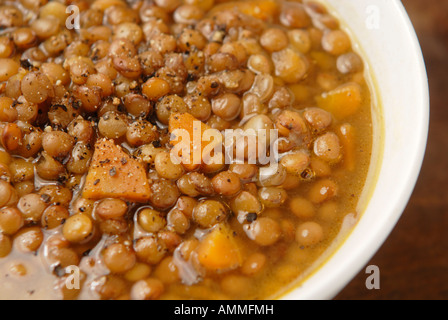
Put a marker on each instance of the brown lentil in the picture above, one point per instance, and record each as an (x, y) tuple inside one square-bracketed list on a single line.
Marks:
[(119, 258), (151, 220), (11, 220), (148, 289), (226, 106), (264, 231), (111, 209), (78, 228), (226, 183), (254, 264), (54, 216), (207, 213), (29, 239), (5, 245), (32, 207), (150, 249), (8, 68), (309, 233)]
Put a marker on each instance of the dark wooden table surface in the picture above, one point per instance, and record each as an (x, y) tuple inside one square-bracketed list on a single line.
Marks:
[(413, 262)]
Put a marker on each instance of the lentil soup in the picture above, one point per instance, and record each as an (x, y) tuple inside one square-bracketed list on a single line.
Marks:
[(89, 192)]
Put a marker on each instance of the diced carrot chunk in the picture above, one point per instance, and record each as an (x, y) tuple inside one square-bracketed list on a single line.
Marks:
[(346, 134), (184, 125), (343, 101), (114, 174), (105, 4), (265, 10), (219, 250)]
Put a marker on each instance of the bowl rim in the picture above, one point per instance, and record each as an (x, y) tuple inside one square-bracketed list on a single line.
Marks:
[(312, 289)]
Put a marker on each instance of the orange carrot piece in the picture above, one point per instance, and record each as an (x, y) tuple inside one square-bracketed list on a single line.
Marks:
[(260, 9), (343, 101), (219, 250), (346, 134), (114, 174), (105, 4), (265, 10), (181, 124)]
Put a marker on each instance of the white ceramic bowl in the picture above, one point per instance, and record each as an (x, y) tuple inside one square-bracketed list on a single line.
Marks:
[(385, 37)]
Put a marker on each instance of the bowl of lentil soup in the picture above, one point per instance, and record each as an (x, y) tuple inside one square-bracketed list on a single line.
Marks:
[(93, 96)]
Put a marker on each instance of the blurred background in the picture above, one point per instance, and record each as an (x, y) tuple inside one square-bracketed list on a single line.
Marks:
[(414, 260)]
